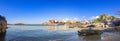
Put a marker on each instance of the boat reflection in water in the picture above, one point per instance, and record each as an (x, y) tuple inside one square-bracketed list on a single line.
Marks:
[(2, 36)]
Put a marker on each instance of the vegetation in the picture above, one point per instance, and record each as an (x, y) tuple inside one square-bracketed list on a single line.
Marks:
[(104, 17), (112, 17), (97, 20)]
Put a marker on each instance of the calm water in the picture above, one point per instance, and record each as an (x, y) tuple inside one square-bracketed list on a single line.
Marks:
[(51, 33)]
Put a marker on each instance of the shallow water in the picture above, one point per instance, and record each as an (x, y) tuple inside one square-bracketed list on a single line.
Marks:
[(51, 33)]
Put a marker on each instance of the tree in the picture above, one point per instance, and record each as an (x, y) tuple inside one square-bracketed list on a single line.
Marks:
[(112, 17), (52, 21), (104, 17), (97, 20)]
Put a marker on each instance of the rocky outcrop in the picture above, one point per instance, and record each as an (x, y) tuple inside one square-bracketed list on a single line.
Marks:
[(91, 26), (112, 29), (82, 26), (116, 22), (3, 24), (85, 32)]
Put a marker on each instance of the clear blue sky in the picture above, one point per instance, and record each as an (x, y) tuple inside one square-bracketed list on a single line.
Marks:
[(37, 11)]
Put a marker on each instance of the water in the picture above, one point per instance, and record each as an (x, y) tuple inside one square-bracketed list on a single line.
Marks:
[(51, 33)]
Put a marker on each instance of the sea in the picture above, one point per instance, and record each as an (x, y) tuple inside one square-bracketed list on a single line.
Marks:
[(38, 32)]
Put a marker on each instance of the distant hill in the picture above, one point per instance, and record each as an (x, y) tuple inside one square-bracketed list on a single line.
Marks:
[(19, 24)]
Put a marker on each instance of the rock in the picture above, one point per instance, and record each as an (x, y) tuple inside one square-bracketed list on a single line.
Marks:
[(82, 26), (2, 36), (91, 26), (112, 29), (3, 24), (72, 26), (112, 25), (89, 32), (116, 22), (117, 28), (99, 25)]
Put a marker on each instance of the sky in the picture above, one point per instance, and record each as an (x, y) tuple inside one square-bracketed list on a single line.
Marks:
[(38, 11)]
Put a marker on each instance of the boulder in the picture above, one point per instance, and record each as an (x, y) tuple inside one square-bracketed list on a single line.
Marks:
[(82, 26), (99, 25), (3, 24), (91, 26), (116, 22), (112, 29), (2, 36), (85, 32)]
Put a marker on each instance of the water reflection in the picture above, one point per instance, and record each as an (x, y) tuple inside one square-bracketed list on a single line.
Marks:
[(55, 28), (110, 36), (46, 33), (2, 36), (92, 38), (23, 38), (106, 36)]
